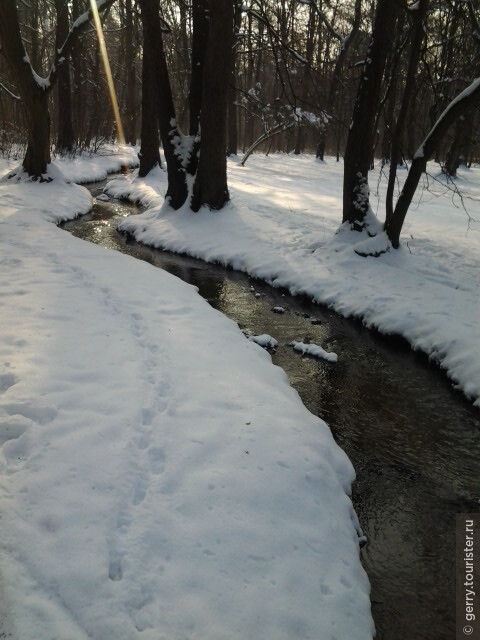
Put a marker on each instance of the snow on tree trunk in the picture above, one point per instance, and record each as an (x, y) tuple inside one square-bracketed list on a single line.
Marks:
[(361, 136), (171, 136)]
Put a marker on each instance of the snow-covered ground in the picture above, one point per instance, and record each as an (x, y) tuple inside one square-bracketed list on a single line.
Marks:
[(281, 226), (159, 478)]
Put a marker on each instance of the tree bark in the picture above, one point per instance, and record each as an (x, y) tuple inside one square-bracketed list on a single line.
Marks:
[(361, 136), (232, 107), (65, 134), (199, 39), (210, 187), (34, 96), (149, 155), (171, 136), (129, 124)]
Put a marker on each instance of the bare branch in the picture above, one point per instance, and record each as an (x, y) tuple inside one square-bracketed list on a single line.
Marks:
[(77, 27)]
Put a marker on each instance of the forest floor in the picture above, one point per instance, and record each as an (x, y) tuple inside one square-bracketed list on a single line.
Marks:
[(159, 477)]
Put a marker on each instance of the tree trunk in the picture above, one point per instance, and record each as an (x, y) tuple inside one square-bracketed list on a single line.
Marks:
[(199, 39), (65, 135), (171, 136), (459, 148), (361, 136), (129, 124), (249, 119), (37, 156), (149, 155), (210, 187), (232, 107), (34, 95), (78, 64)]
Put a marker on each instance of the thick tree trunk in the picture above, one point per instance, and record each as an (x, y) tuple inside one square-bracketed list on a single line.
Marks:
[(232, 107), (149, 139), (199, 39), (79, 106), (361, 136), (210, 187), (458, 106), (65, 135), (171, 136), (200, 23), (34, 95), (37, 156), (130, 119)]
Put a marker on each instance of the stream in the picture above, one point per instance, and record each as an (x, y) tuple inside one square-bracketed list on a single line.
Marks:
[(413, 440)]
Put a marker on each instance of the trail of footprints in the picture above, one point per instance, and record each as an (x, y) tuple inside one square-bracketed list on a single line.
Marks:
[(149, 459)]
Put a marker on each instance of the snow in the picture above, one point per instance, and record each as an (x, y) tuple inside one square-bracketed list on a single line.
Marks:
[(315, 350), (159, 477), (264, 340), (282, 225)]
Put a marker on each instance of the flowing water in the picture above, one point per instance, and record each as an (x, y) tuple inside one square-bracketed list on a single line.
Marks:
[(413, 440)]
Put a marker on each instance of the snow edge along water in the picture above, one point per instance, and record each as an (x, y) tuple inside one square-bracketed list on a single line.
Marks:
[(413, 295)]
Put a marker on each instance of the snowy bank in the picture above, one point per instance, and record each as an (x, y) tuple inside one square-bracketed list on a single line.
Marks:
[(159, 477), (281, 226)]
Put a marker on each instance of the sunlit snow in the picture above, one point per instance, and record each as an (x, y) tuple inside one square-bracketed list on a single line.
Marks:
[(159, 477)]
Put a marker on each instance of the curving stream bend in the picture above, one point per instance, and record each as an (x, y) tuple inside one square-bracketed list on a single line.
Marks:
[(412, 439)]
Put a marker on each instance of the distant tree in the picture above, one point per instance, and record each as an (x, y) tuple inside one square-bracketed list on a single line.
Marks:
[(345, 42)]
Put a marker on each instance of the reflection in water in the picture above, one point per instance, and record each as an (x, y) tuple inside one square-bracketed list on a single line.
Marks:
[(412, 439)]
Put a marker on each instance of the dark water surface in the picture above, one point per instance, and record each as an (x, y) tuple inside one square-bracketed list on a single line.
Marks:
[(413, 440)]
